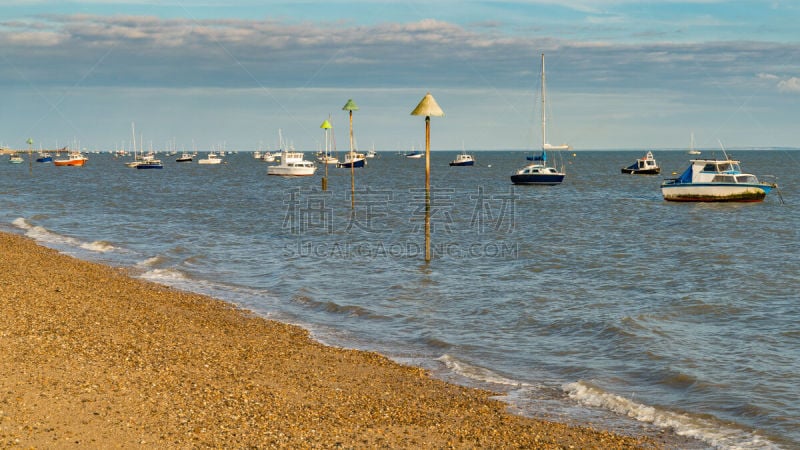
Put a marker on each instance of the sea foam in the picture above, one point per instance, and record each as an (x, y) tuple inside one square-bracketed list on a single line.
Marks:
[(701, 428), (42, 234)]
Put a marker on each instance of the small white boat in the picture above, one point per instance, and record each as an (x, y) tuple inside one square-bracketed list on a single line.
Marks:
[(692, 150), (645, 165), (329, 159), (292, 164), (212, 158), (16, 159), (713, 180)]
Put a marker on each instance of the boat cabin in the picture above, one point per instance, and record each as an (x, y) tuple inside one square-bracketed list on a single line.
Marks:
[(536, 169)]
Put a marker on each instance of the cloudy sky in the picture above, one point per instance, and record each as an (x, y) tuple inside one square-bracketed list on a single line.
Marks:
[(621, 74)]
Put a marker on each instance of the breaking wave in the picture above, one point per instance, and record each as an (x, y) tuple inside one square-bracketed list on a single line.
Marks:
[(702, 428)]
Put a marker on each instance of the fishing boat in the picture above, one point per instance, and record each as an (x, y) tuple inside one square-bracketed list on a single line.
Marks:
[(463, 159), (15, 159), (715, 180), (185, 157), (73, 159), (645, 165), (539, 172), (44, 157), (353, 159), (414, 154), (292, 163), (149, 161), (212, 158)]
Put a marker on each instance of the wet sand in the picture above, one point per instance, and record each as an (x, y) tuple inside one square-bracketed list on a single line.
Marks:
[(92, 358)]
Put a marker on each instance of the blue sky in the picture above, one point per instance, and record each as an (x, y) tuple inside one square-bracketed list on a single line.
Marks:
[(620, 74)]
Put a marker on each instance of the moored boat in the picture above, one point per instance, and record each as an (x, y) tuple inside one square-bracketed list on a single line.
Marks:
[(73, 159), (16, 159), (539, 172), (645, 165), (185, 157), (212, 158), (149, 161), (353, 159), (292, 163), (714, 180), (463, 159)]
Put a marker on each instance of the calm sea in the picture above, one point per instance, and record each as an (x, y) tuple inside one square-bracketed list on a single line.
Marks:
[(590, 302)]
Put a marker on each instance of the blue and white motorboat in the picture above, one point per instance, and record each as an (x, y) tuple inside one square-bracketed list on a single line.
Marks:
[(414, 154), (715, 180), (149, 161), (353, 159), (463, 159), (44, 157), (539, 172)]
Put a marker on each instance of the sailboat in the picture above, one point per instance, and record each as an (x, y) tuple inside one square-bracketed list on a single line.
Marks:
[(539, 172), (692, 150)]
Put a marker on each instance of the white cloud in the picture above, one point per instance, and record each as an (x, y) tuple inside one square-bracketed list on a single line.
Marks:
[(790, 85)]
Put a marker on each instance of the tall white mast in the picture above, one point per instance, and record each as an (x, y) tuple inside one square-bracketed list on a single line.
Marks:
[(544, 113)]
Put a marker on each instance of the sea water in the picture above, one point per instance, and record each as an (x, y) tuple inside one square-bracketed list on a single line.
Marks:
[(592, 302)]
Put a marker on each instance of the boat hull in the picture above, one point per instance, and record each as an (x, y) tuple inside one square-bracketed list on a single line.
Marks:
[(44, 159), (149, 166), (356, 163), (538, 179), (459, 164), (715, 192), (75, 162), (655, 171), (291, 171)]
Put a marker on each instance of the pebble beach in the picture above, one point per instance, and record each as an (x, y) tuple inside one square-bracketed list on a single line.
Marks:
[(93, 358)]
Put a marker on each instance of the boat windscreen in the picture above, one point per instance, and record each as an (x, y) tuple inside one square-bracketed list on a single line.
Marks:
[(686, 176)]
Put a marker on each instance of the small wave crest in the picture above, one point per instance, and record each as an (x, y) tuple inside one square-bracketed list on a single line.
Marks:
[(336, 308), (701, 428), (42, 234), (477, 373), (98, 246), (150, 262), (164, 275)]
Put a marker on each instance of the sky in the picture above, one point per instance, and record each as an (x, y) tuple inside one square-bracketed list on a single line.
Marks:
[(213, 74)]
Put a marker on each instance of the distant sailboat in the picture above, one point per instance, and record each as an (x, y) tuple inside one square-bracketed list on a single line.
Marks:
[(539, 172), (692, 151)]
